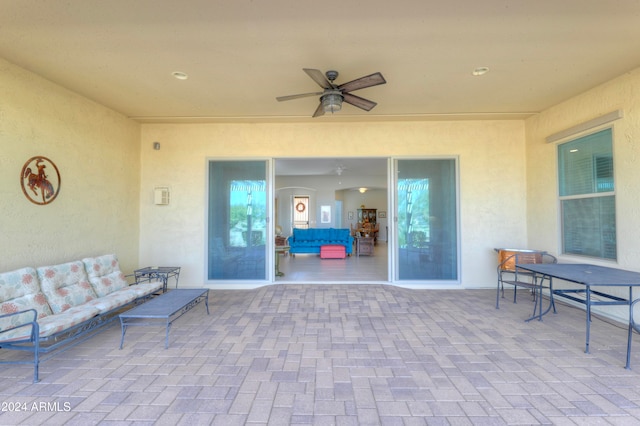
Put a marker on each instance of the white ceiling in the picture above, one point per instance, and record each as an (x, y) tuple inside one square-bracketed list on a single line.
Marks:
[(239, 55)]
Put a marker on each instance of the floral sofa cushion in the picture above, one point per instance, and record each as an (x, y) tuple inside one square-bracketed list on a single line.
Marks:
[(53, 323), (62, 296), (65, 285), (145, 289), (113, 300), (104, 274), (19, 291)]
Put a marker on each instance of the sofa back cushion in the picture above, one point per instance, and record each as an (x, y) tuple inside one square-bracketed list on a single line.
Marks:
[(104, 274), (339, 234), (19, 291), (299, 234), (321, 234), (65, 285)]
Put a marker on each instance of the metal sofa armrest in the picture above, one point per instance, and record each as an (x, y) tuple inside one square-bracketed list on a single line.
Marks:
[(33, 323), (13, 342)]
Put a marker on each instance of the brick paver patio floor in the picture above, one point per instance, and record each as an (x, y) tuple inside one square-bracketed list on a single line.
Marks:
[(339, 355)]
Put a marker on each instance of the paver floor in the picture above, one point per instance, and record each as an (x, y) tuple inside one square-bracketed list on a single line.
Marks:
[(298, 354)]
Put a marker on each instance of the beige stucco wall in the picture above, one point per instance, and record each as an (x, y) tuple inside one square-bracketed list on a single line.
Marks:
[(543, 207), (109, 170), (508, 194), (492, 179), (97, 153)]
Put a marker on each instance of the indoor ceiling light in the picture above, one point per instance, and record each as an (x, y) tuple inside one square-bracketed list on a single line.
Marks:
[(332, 101), (362, 190)]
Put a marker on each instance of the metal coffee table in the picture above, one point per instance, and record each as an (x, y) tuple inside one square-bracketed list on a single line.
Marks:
[(166, 308)]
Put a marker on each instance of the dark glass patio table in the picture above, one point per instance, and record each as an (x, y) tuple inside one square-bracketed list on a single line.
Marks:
[(589, 276)]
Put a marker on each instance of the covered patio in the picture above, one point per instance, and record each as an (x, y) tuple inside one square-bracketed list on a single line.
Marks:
[(343, 355)]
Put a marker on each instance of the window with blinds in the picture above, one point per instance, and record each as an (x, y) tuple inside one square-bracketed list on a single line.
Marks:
[(587, 196)]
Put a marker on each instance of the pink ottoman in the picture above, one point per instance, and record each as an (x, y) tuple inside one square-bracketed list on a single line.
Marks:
[(333, 251)]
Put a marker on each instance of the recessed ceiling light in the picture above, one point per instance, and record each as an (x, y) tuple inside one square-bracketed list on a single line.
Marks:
[(180, 75), (480, 71)]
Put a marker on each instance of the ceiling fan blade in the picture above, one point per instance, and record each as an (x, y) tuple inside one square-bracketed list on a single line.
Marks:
[(302, 95), (318, 77), (359, 102), (319, 111), (362, 82)]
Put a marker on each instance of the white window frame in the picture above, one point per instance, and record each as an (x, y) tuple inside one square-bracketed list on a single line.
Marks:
[(594, 194)]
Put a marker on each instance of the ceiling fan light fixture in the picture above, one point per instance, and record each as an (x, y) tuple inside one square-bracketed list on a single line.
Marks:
[(332, 102), (333, 95)]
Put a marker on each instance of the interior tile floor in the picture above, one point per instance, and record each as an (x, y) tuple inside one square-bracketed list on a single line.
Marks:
[(326, 354), (309, 268)]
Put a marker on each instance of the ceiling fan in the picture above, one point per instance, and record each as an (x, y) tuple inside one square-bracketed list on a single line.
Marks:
[(333, 95)]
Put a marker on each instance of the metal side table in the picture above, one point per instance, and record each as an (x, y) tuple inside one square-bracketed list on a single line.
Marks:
[(162, 273)]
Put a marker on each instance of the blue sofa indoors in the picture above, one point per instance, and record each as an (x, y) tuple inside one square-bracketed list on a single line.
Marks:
[(310, 240)]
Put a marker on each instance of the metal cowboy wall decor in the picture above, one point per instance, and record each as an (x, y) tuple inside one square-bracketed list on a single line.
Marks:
[(40, 180)]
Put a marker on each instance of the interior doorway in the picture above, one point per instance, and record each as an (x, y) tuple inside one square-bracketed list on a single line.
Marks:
[(327, 193), (300, 209)]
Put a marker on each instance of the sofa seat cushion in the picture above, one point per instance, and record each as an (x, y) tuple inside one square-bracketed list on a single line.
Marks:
[(69, 318), (65, 285), (113, 300), (19, 291), (145, 289), (308, 244), (104, 274), (124, 296), (52, 324)]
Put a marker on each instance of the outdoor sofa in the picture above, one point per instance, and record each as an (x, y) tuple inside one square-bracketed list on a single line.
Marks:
[(44, 308)]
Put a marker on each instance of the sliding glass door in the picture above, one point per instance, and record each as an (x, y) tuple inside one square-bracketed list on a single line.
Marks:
[(237, 220), (426, 227)]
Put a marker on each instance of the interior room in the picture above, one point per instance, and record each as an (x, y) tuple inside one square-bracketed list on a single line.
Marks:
[(345, 187), (324, 195)]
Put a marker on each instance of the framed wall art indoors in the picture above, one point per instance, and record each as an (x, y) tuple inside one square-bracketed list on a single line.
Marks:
[(325, 214)]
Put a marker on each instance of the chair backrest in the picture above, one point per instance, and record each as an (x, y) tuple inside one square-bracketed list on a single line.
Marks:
[(510, 258), (507, 259)]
